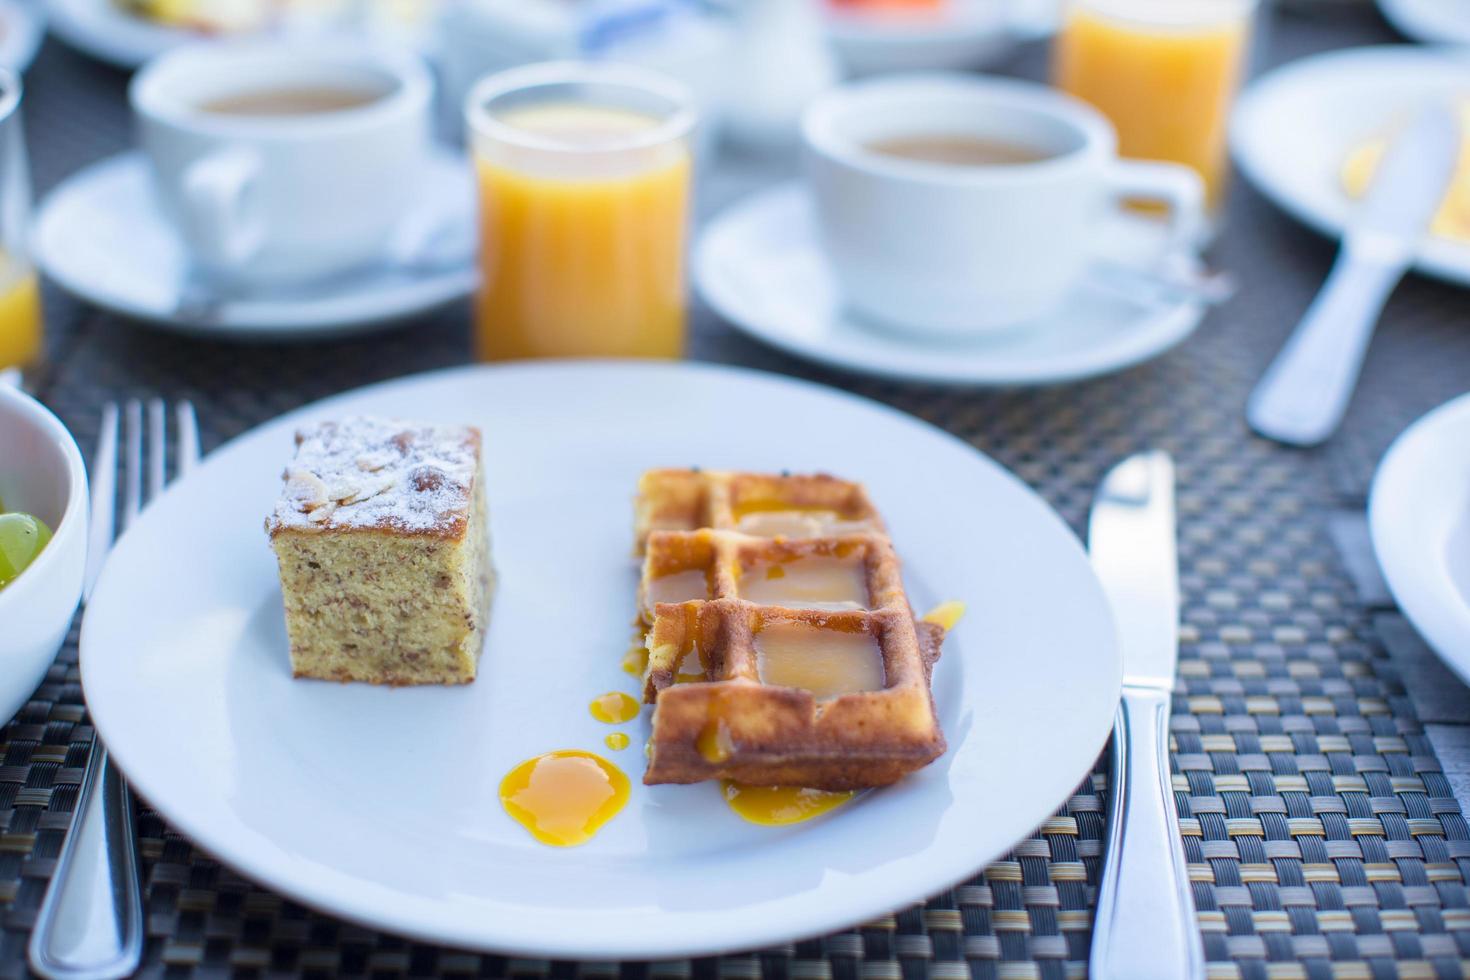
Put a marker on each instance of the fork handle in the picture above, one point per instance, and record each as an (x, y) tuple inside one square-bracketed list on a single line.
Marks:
[(1145, 927), (91, 922)]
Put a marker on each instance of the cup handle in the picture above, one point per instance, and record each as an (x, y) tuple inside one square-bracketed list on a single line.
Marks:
[(1172, 184), (221, 221)]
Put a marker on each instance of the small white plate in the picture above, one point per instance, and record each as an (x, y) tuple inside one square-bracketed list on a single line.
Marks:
[(22, 27), (1429, 21), (760, 266), (960, 34), (101, 236), (100, 29), (1294, 127), (382, 805), (1419, 516)]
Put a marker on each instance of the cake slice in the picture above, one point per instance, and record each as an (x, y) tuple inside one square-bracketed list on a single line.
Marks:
[(382, 537)]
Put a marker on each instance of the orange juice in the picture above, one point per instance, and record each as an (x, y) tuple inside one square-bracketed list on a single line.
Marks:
[(20, 317), (1165, 73), (581, 258)]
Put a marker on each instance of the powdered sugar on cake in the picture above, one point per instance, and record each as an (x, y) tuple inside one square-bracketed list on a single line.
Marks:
[(367, 472)]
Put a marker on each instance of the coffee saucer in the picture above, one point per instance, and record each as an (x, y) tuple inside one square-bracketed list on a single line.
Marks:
[(102, 30), (100, 235), (759, 265)]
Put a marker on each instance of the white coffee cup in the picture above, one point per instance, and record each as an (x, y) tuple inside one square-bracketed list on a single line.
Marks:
[(281, 197), (952, 249)]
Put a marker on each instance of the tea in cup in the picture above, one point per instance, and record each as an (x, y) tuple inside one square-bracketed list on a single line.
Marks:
[(957, 204), (281, 162)]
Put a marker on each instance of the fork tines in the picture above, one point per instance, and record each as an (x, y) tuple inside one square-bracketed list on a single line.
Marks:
[(145, 458)]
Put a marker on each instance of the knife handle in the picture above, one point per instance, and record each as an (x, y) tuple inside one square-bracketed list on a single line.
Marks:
[(1145, 925), (1304, 393)]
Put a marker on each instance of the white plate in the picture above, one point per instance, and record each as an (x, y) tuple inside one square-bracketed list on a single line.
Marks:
[(100, 235), (21, 29), (99, 29), (759, 265), (381, 805), (1294, 126), (1419, 515), (961, 34), (1430, 21)]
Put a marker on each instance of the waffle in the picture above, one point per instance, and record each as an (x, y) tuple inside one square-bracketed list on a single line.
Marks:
[(753, 503), (782, 647)]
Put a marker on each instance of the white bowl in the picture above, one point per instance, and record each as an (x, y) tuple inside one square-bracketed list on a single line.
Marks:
[(41, 473)]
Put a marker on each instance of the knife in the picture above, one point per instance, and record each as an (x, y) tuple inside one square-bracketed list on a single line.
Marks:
[(1304, 393), (1145, 926)]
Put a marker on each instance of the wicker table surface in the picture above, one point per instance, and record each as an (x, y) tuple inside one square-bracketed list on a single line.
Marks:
[(1322, 832)]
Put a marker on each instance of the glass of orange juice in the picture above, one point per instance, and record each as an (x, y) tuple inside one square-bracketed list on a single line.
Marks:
[(1164, 71), (584, 174), (20, 296)]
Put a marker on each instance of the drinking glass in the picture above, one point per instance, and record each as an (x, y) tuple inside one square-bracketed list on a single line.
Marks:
[(20, 296), (1164, 71), (584, 174)]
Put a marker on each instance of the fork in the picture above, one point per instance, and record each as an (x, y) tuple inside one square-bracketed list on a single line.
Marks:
[(90, 926)]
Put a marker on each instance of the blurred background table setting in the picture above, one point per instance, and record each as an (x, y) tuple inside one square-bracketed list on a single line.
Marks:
[(1177, 281)]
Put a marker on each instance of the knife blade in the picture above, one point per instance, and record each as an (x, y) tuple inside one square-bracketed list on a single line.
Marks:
[(1131, 539), (1145, 926), (1408, 184), (1304, 393)]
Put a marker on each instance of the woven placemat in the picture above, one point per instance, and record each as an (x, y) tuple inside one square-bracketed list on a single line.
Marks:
[(1322, 837)]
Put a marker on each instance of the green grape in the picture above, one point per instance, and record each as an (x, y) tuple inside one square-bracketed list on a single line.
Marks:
[(21, 539)]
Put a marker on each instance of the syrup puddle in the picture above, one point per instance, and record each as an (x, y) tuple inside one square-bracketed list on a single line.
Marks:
[(946, 614), (682, 586), (779, 806), (815, 582), (614, 707), (826, 662), (563, 798), (635, 661)]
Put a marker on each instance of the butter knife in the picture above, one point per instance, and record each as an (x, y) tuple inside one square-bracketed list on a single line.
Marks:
[(1302, 396), (1145, 926)]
